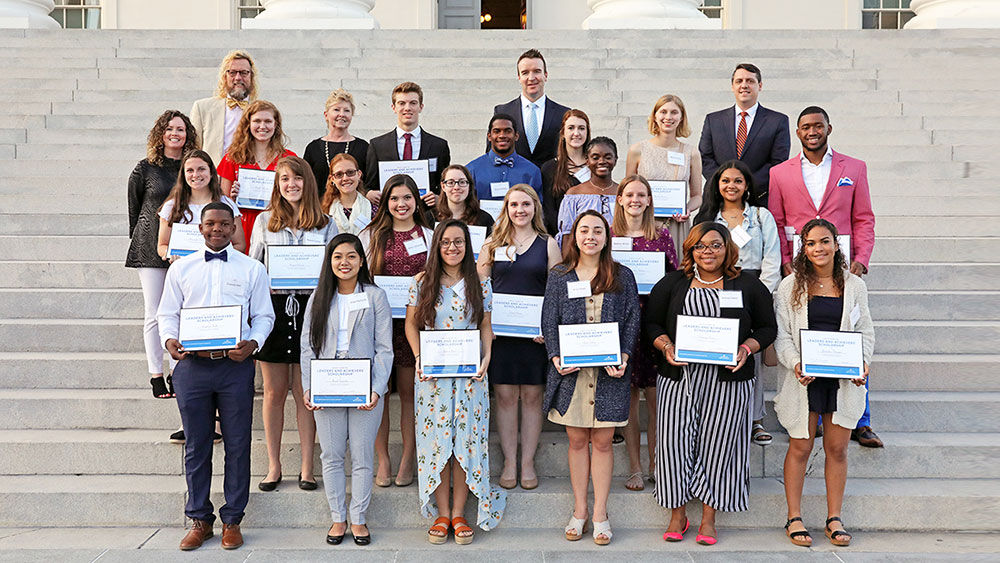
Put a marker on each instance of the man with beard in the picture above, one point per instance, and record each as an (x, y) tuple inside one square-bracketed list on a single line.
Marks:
[(216, 118)]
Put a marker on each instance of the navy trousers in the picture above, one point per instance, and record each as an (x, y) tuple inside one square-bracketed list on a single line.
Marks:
[(203, 386)]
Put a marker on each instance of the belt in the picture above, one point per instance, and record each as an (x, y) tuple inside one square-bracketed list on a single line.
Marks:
[(212, 354)]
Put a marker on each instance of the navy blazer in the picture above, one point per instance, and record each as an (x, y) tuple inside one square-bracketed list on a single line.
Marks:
[(666, 301), (548, 137), (384, 148), (612, 394), (767, 144)]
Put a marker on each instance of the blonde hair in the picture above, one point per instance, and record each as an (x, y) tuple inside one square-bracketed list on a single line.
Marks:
[(221, 91), (337, 96), (503, 229), (683, 130), (619, 224)]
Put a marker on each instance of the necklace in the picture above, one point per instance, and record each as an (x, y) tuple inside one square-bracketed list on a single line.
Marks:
[(697, 276), (520, 243), (820, 284), (326, 149)]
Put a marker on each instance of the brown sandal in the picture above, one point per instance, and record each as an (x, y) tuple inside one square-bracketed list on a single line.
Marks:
[(837, 536), (442, 524), (800, 538), (461, 525)]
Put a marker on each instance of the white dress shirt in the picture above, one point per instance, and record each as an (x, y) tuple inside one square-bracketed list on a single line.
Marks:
[(193, 282), (816, 176), (414, 142), (751, 113), (233, 115), (540, 112)]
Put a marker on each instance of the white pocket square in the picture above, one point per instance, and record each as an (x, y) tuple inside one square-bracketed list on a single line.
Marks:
[(845, 181)]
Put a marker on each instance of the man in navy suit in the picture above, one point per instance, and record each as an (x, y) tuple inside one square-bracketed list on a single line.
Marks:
[(748, 132), (537, 119)]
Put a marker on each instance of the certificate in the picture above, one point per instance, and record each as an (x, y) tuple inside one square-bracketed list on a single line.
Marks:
[(517, 315), (418, 170), (589, 345), (707, 340), (184, 239), (669, 197), (210, 328), (492, 206), (843, 240), (340, 383), (397, 290), (831, 354), (449, 353), (295, 267), (648, 267), (477, 238), (255, 188)]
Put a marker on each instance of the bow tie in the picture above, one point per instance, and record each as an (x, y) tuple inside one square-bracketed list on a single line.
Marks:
[(209, 256), (497, 161), (231, 103)]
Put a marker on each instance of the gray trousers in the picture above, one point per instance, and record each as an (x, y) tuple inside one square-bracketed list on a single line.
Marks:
[(757, 411), (335, 427)]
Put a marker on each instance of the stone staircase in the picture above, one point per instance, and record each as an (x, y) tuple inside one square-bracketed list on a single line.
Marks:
[(81, 431)]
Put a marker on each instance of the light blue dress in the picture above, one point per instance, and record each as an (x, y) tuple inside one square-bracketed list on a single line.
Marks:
[(453, 418)]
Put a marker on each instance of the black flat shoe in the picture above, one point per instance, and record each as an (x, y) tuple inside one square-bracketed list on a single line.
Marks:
[(177, 437), (363, 540), (268, 486), (307, 485), (334, 540)]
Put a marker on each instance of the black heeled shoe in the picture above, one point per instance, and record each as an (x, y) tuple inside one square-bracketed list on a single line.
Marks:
[(268, 486)]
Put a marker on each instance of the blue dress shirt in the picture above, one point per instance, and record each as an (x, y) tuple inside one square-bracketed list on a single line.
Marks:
[(485, 171)]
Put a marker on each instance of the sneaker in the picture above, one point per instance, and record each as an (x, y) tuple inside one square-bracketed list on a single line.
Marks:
[(177, 437)]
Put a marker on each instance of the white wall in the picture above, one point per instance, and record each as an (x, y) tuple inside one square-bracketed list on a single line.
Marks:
[(172, 14), (791, 14), (557, 14), (406, 14)]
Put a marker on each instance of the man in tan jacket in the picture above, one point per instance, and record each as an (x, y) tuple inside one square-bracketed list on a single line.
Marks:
[(215, 118)]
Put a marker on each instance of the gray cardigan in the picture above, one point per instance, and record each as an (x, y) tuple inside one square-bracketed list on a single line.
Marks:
[(612, 394), (370, 336)]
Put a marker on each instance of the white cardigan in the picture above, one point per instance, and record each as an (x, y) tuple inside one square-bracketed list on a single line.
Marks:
[(791, 404)]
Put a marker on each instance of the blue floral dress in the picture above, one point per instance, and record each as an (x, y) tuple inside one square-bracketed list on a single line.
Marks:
[(453, 418)]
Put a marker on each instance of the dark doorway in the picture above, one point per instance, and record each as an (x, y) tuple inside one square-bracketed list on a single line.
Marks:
[(504, 14)]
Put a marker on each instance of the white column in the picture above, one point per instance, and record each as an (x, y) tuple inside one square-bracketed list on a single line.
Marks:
[(314, 14), (27, 13), (648, 14), (944, 14)]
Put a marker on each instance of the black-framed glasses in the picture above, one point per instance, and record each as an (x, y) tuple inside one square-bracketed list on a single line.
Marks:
[(457, 243), (463, 183), (715, 247), (345, 174)]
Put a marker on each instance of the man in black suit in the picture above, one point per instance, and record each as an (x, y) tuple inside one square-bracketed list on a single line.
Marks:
[(408, 141), (747, 131), (537, 119)]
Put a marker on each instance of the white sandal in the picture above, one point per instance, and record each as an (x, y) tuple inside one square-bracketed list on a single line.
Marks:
[(602, 529), (575, 528)]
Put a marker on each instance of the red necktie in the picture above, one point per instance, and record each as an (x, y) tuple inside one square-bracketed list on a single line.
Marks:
[(408, 147), (741, 134)]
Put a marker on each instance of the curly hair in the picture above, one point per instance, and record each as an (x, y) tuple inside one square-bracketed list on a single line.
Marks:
[(729, 268), (154, 143), (241, 151), (802, 267), (220, 89)]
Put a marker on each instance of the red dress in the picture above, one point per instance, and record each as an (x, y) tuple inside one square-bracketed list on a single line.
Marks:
[(229, 170), (398, 262)]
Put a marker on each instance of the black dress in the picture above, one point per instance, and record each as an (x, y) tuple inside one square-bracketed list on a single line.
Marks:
[(550, 202), (521, 361), (316, 155), (148, 186), (824, 314)]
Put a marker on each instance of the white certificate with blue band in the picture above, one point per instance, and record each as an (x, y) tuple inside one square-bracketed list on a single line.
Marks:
[(589, 345), (295, 266), (669, 197), (185, 238), (648, 267), (707, 340), (340, 383), (417, 170), (255, 188), (397, 290), (517, 315), (831, 354), (449, 353), (210, 328)]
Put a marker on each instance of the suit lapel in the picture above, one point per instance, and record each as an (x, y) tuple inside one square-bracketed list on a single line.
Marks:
[(800, 183), (425, 144), (352, 317), (513, 108), (730, 129), (388, 146), (758, 123), (549, 124), (836, 172)]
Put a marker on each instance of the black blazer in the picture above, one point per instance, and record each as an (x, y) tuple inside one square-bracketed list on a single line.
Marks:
[(383, 148), (767, 144), (666, 301), (548, 137)]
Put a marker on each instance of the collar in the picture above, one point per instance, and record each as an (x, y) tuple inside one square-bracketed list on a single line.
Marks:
[(229, 249), (400, 132), (525, 102), (751, 112), (827, 157), (493, 154)]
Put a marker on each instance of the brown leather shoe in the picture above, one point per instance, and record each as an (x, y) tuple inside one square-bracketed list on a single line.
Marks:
[(200, 531), (231, 536), (866, 437)]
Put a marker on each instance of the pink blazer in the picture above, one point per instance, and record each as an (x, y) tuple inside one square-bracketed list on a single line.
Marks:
[(846, 203)]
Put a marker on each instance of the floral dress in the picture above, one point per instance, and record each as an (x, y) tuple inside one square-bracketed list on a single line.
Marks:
[(453, 418)]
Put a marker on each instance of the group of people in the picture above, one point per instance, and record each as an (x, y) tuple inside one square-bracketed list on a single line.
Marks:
[(777, 243)]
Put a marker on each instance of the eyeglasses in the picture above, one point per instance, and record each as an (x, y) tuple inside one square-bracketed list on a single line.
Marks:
[(243, 73), (715, 247), (457, 243), (344, 174), (452, 183)]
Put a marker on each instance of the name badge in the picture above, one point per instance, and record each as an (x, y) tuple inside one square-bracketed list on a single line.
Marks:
[(415, 246), (674, 157), (432, 164), (505, 254), (499, 189), (360, 221), (578, 289), (740, 236), (789, 232), (357, 301), (312, 237), (621, 243), (730, 299), (855, 315)]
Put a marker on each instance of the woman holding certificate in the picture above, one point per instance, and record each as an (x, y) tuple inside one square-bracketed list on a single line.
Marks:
[(517, 370), (258, 144), (597, 193), (590, 320), (448, 302), (293, 218), (707, 319), (821, 376), (635, 230), (349, 210), (396, 243), (347, 317), (460, 200)]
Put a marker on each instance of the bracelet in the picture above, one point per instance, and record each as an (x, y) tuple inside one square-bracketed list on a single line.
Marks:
[(747, 348)]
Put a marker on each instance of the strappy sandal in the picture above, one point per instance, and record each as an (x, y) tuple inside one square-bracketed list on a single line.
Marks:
[(630, 483), (461, 526), (602, 529), (442, 525), (836, 536), (160, 390), (800, 538), (760, 436), (576, 528)]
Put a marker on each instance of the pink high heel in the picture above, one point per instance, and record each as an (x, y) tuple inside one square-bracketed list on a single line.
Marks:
[(704, 540), (674, 536)]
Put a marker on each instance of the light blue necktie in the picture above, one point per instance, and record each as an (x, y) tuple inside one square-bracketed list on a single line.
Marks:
[(531, 127)]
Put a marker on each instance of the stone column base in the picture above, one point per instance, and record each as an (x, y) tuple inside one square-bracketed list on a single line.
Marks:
[(955, 14)]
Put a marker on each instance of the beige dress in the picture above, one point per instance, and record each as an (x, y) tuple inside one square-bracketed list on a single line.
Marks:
[(653, 165), (580, 413)]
